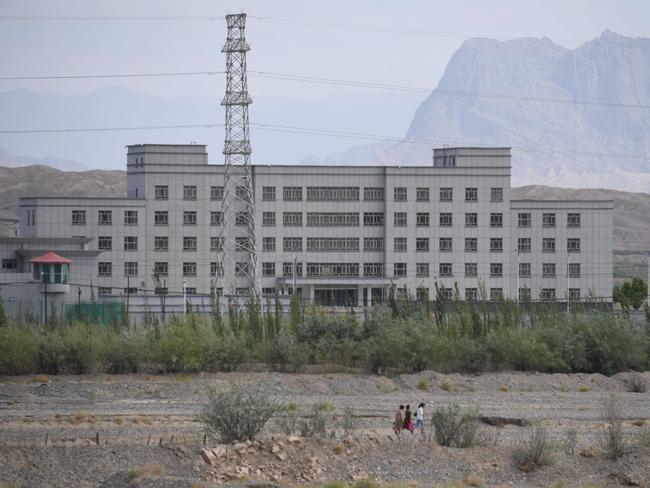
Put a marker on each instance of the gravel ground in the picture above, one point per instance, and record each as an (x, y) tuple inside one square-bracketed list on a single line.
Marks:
[(95, 430)]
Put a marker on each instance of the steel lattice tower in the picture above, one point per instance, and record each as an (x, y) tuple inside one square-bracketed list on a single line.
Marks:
[(238, 256)]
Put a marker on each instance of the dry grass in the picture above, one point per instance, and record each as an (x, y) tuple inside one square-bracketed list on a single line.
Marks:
[(80, 417), (638, 422), (386, 388), (473, 480), (148, 471), (118, 420), (41, 378), (446, 386), (423, 385), (365, 483), (504, 388), (584, 389), (455, 484), (339, 449), (140, 419)]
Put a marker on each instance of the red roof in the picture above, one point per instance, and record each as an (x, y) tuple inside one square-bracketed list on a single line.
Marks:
[(51, 258)]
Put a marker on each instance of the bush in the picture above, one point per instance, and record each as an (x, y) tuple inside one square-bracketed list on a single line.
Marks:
[(289, 420), (18, 351), (612, 439), (237, 414), (349, 421), (315, 425), (636, 384), (534, 450), (454, 427), (569, 442)]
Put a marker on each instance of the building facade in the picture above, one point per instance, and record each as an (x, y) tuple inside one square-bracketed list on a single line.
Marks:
[(342, 235)]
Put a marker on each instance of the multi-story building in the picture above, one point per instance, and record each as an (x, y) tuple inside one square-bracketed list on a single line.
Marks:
[(342, 234)]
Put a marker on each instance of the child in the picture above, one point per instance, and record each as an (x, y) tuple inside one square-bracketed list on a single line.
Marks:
[(408, 422), (399, 420)]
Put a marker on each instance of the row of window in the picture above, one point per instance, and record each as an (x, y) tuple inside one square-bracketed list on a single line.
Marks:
[(524, 219), (105, 217)]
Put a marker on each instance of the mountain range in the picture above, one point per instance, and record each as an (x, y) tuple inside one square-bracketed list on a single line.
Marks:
[(574, 117)]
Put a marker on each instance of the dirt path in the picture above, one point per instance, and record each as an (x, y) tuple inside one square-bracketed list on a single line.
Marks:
[(96, 429)]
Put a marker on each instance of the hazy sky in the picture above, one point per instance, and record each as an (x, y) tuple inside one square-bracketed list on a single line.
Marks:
[(46, 47)]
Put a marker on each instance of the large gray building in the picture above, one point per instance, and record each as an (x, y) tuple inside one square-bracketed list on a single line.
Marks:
[(342, 234)]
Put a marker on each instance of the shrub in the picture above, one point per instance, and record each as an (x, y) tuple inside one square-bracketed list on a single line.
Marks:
[(423, 384), (534, 450), (473, 480), (569, 442), (237, 414), (636, 384), (289, 420), (365, 483), (335, 484), (315, 425), (642, 438), (349, 421), (454, 427), (612, 439), (18, 351)]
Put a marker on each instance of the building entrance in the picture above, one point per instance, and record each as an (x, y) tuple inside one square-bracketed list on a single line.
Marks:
[(336, 297)]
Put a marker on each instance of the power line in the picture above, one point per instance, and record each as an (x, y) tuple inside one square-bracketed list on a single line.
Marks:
[(125, 75), (72, 18), (110, 129)]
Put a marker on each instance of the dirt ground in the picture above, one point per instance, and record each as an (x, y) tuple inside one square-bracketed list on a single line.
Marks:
[(141, 430)]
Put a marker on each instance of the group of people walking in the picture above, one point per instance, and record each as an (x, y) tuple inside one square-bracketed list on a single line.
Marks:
[(404, 419)]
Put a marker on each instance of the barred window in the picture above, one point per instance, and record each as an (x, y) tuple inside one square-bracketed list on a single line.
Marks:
[(548, 244), (446, 194), (471, 220), (216, 193), (160, 290), (573, 220), (524, 219), (268, 269), (471, 270), (189, 243), (292, 244), (471, 194), (161, 268), (525, 270), (268, 193), (216, 244), (445, 244), (373, 269), (324, 244), (573, 244), (216, 218), (400, 193), (496, 220), (447, 293), (105, 243), (161, 217), (130, 217), (496, 194), (292, 219), (288, 269), (548, 294), (243, 244), (130, 243), (131, 268), (496, 244), (242, 193), (190, 290), (292, 193), (373, 194), (241, 269), (332, 219), (446, 220), (268, 244), (189, 217), (524, 244), (548, 270), (422, 219), (496, 294), (524, 293), (445, 269), (161, 192), (471, 294), (399, 219), (373, 244), (104, 268), (471, 244), (78, 217), (268, 291), (422, 244), (104, 217), (422, 194), (268, 218), (548, 220), (332, 193), (242, 218), (496, 270), (215, 270), (332, 269), (574, 270), (189, 192), (574, 294), (399, 244), (373, 219), (104, 290), (399, 269), (161, 243), (422, 270)]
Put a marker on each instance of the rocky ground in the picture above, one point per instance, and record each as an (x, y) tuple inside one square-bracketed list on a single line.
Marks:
[(137, 430)]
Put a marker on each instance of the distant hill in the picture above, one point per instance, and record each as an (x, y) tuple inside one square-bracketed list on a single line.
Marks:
[(560, 109)]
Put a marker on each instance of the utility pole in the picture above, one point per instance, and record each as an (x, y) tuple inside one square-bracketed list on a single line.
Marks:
[(237, 206), (295, 265), (517, 291), (45, 278), (184, 297), (568, 282)]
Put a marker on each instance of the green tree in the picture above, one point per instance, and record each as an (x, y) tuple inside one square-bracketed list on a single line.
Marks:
[(3, 315), (632, 293)]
